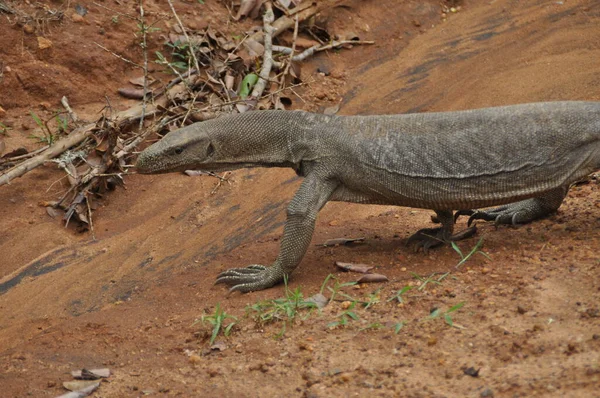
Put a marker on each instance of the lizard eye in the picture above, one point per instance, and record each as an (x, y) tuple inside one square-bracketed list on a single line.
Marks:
[(178, 150)]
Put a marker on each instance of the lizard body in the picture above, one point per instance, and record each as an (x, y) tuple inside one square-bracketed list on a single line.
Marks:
[(522, 156)]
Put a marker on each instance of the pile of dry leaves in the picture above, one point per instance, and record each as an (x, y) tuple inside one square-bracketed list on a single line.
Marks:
[(214, 74)]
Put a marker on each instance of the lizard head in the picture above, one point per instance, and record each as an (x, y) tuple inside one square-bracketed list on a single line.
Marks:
[(180, 150), (227, 143)]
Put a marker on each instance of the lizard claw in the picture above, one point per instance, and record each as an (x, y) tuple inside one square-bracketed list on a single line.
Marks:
[(465, 212), (429, 238), (251, 278), (500, 215)]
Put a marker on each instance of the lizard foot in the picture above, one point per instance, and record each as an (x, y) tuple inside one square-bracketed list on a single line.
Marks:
[(520, 212), (507, 214), (252, 278), (429, 238)]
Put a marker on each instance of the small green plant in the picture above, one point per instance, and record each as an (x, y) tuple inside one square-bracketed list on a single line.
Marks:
[(373, 326), (145, 29), (48, 137), (217, 320), (372, 299), (447, 317), (399, 293), (475, 249), (335, 290), (62, 123), (398, 327), (181, 54), (4, 129), (430, 279), (286, 309), (115, 19), (345, 317)]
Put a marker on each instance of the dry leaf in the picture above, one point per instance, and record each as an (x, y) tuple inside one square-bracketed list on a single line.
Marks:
[(218, 346), (80, 385), (341, 241), (361, 268), (52, 212), (16, 152), (91, 374), (319, 300), (229, 81), (373, 278), (84, 392), (132, 93), (332, 110), (139, 81), (248, 8), (255, 49)]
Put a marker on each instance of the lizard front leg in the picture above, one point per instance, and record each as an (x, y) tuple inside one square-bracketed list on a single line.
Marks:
[(297, 233)]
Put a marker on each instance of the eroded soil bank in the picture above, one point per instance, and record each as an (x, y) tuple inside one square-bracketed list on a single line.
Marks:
[(530, 322)]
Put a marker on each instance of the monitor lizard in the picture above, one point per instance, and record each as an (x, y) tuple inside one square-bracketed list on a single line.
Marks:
[(523, 157)]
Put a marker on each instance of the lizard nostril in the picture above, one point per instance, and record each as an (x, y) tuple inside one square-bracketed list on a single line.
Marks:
[(178, 151)]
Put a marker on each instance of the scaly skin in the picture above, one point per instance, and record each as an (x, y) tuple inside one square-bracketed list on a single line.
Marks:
[(522, 156)]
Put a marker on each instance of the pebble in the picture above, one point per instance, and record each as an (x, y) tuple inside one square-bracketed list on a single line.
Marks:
[(28, 29), (195, 359), (43, 43), (77, 18), (213, 372)]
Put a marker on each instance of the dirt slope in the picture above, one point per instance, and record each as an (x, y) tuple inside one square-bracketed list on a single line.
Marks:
[(127, 301)]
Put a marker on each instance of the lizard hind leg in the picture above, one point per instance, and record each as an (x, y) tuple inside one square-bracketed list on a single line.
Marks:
[(521, 212), (428, 238)]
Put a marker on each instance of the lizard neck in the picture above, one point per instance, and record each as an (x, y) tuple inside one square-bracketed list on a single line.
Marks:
[(271, 139)]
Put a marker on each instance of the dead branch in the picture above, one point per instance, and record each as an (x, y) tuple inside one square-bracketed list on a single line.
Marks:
[(144, 45), (291, 54), (65, 104), (265, 71), (119, 56), (284, 23), (193, 53), (104, 159), (314, 49), (76, 137)]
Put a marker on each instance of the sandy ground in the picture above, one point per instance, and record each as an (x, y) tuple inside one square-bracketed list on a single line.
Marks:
[(530, 316)]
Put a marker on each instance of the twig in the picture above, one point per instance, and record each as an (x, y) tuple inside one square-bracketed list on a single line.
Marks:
[(193, 53), (265, 71), (220, 182), (284, 23), (119, 56), (25, 156), (310, 51), (65, 104), (59, 147), (91, 223), (115, 11), (145, 67), (293, 50)]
